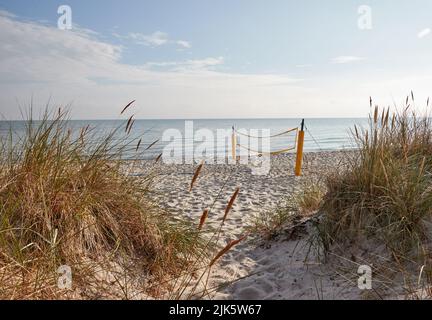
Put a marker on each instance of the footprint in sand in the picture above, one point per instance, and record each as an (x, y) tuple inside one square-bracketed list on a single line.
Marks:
[(265, 285), (250, 293)]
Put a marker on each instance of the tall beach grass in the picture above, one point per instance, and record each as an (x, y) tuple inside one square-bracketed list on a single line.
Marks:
[(66, 200), (384, 194)]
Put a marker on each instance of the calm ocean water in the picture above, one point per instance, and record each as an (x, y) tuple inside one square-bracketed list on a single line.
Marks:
[(321, 134)]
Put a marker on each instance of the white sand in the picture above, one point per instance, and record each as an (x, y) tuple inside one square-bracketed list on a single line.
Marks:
[(280, 269)]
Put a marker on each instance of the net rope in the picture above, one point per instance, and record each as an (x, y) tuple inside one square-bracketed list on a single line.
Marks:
[(276, 152), (272, 153), (313, 139), (271, 136)]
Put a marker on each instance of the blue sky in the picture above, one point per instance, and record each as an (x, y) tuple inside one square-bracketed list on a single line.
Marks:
[(223, 58)]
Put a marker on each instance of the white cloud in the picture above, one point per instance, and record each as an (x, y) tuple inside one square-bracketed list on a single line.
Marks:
[(346, 59), (189, 65), (184, 44), (424, 33), (156, 39), (8, 14)]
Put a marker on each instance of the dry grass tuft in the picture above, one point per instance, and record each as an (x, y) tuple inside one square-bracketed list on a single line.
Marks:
[(196, 175), (309, 200), (301, 205), (65, 200), (230, 204)]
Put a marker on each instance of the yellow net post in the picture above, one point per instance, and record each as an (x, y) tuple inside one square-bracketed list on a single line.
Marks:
[(233, 143), (299, 158)]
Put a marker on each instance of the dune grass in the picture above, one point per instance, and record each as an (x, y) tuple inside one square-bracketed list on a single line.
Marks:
[(303, 203), (383, 195), (269, 224), (66, 200), (309, 200)]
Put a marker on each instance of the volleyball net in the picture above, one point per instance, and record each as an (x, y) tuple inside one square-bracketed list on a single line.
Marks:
[(288, 137), (246, 143)]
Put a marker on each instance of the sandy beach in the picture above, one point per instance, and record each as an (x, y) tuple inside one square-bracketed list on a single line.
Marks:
[(281, 268)]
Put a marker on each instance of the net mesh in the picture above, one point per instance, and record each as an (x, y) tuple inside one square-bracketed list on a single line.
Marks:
[(287, 138)]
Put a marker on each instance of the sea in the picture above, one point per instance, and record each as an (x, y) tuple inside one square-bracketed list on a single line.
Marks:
[(321, 134)]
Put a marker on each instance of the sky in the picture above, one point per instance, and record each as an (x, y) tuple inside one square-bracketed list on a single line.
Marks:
[(214, 59)]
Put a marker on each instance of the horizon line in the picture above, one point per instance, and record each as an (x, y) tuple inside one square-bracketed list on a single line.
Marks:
[(186, 119)]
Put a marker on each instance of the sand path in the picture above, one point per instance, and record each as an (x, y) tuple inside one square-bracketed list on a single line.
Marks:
[(281, 269)]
